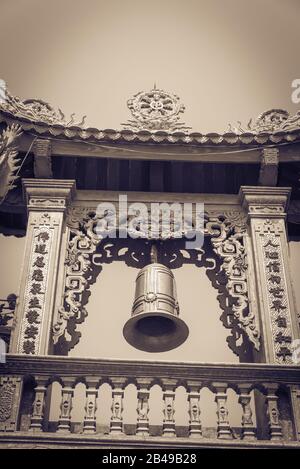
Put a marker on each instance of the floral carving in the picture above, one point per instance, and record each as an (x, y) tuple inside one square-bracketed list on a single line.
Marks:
[(232, 251)]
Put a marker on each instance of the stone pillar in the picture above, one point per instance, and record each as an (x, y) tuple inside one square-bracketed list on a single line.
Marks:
[(37, 416), (266, 207), (116, 422), (273, 412), (248, 429), (67, 393), (89, 422), (169, 386), (46, 202), (195, 430), (223, 427), (143, 394)]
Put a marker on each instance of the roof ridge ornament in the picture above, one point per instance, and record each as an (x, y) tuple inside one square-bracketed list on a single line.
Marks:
[(274, 120), (34, 110), (155, 110), (9, 161)]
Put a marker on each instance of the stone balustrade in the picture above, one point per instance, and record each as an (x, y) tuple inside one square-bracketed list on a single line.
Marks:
[(263, 383)]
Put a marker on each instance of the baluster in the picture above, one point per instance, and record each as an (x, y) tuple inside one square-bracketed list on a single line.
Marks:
[(223, 427), (116, 422), (91, 394), (169, 411), (273, 412), (67, 393), (37, 415), (248, 428), (195, 430), (143, 406)]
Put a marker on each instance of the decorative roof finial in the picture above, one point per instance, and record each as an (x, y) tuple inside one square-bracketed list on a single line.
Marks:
[(34, 110), (155, 110)]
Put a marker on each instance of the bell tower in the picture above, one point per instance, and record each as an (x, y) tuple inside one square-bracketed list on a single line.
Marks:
[(244, 184)]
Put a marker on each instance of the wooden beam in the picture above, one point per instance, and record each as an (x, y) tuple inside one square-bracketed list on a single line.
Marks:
[(42, 159), (268, 174)]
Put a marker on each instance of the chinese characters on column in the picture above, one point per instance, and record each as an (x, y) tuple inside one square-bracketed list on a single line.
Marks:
[(277, 298), (35, 290)]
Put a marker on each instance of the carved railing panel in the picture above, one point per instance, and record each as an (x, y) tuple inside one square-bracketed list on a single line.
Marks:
[(242, 379)]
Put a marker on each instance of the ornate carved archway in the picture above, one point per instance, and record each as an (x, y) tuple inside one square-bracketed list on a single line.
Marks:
[(224, 258)]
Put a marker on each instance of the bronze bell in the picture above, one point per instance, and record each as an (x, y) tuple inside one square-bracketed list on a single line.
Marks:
[(155, 325)]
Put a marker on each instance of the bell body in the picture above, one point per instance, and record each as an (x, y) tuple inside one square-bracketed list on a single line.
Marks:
[(155, 325)]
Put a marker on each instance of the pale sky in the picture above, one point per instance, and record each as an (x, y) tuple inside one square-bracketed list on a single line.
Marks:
[(228, 60)]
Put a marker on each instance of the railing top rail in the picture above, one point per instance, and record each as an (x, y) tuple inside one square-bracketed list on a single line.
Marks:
[(77, 367)]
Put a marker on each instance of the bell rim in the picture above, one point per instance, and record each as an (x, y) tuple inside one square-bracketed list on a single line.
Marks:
[(180, 323)]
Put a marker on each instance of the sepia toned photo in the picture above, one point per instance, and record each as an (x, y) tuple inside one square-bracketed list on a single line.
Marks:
[(149, 228)]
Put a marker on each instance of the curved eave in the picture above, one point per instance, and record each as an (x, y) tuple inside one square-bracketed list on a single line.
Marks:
[(159, 137)]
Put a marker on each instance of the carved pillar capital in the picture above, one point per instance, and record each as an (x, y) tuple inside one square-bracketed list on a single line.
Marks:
[(48, 194), (194, 386), (169, 384), (265, 202), (144, 383), (92, 382), (118, 383)]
